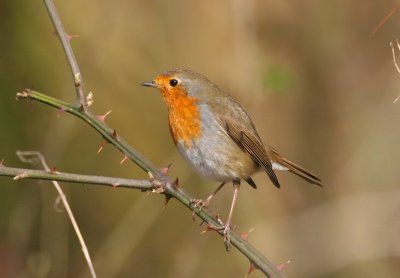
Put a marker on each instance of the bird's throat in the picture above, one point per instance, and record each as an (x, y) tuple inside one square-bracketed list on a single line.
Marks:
[(184, 118)]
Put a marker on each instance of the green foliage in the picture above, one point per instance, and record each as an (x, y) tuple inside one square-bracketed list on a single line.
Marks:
[(278, 79)]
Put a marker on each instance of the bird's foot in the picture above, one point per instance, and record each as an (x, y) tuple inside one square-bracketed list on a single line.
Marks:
[(198, 205), (227, 237), (226, 231)]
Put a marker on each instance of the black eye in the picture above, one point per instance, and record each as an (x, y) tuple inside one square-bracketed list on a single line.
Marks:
[(173, 82)]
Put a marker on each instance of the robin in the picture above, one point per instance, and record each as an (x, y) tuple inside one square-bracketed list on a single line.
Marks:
[(217, 136)]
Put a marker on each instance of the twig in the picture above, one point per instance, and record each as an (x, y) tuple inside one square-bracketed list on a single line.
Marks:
[(33, 156), (395, 62), (382, 22), (69, 53), (21, 173)]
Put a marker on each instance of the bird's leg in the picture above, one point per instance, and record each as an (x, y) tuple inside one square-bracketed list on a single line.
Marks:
[(227, 230), (198, 204), (207, 201)]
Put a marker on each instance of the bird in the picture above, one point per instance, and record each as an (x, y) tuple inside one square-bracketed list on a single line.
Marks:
[(217, 137)]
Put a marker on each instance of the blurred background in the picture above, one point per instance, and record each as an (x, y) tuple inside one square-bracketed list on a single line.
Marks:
[(319, 87)]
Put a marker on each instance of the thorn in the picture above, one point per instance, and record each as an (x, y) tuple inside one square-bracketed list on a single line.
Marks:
[(81, 107), (251, 269), (115, 185), (21, 176), (245, 236), (176, 182), (219, 220), (211, 228), (70, 37), (89, 99), (77, 79), (102, 146), (114, 134), (124, 159), (2, 162), (167, 199), (165, 170), (397, 99), (282, 266), (102, 118), (54, 170), (60, 111)]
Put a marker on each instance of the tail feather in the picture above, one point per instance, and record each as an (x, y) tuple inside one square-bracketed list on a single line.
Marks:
[(295, 169), (299, 171)]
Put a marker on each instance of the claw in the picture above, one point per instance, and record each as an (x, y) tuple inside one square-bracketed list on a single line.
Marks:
[(212, 228), (198, 205), (227, 237)]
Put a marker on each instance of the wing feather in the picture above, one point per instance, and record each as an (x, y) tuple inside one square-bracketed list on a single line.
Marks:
[(253, 147)]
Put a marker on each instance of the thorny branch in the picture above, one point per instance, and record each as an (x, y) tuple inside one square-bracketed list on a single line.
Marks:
[(20, 173), (162, 181)]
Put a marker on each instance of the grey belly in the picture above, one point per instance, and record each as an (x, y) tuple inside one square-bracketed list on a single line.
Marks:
[(217, 157)]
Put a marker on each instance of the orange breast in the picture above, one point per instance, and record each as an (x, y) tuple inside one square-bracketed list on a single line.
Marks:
[(184, 116)]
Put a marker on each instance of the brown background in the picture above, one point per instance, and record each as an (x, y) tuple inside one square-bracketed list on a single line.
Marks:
[(318, 86)]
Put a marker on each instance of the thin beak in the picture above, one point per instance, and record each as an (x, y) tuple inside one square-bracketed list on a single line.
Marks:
[(149, 84)]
